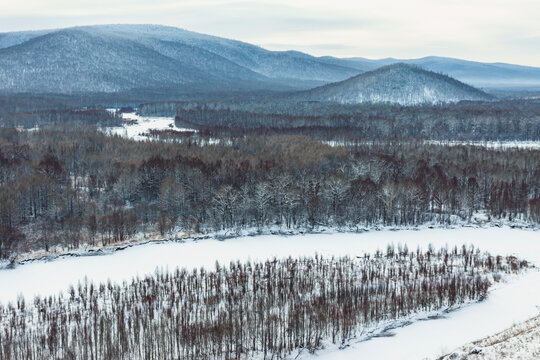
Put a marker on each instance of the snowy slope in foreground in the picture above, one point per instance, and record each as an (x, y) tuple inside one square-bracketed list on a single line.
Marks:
[(521, 341), (510, 303)]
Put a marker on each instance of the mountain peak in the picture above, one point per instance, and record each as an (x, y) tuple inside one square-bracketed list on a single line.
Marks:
[(398, 83)]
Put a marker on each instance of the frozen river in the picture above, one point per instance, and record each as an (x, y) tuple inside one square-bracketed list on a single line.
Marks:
[(514, 301)]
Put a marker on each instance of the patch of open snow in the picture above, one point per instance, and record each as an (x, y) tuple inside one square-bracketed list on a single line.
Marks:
[(143, 125), (507, 303)]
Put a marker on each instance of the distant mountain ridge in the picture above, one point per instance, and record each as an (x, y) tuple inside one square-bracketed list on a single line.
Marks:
[(113, 58), (478, 74), (116, 58), (400, 83)]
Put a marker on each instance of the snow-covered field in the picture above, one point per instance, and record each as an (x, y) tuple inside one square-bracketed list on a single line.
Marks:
[(507, 304), (143, 126)]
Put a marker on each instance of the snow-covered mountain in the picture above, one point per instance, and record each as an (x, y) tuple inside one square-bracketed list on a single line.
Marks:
[(113, 58), (396, 84), (116, 58), (479, 74)]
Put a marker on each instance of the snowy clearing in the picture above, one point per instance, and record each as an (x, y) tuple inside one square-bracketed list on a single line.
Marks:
[(142, 126), (507, 304)]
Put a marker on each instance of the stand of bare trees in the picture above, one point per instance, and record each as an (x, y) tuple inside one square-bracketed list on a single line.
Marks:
[(268, 309)]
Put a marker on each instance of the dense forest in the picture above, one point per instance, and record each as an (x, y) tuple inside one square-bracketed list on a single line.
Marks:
[(265, 310), (502, 120), (68, 185), (42, 118)]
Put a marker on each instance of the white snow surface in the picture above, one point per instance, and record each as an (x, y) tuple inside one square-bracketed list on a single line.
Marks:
[(507, 304), (143, 126)]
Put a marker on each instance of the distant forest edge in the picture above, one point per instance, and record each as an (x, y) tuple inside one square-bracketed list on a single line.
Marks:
[(36, 119), (502, 120), (476, 121)]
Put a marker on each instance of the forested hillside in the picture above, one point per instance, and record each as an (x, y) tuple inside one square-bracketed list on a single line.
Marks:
[(149, 58), (399, 83), (141, 61)]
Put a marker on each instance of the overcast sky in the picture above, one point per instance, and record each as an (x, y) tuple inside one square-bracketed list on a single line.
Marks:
[(483, 30)]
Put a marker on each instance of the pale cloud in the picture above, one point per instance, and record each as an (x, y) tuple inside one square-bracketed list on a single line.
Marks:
[(485, 30)]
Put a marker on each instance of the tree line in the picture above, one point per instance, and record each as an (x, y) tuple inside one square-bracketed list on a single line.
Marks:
[(478, 121), (75, 185), (34, 119)]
